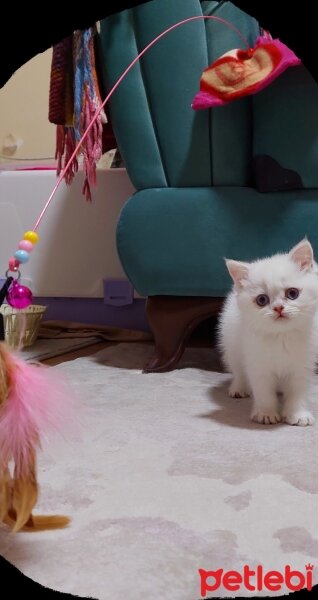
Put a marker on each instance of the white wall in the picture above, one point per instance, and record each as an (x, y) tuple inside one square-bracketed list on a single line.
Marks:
[(24, 103), (77, 247)]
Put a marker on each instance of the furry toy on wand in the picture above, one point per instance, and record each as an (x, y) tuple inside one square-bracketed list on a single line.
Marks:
[(32, 399)]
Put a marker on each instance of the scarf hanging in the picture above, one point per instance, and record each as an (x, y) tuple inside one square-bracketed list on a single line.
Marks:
[(73, 101)]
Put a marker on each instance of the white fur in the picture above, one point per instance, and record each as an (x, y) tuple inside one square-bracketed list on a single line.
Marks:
[(270, 356)]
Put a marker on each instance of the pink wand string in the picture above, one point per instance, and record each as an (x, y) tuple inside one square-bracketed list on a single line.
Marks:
[(115, 86)]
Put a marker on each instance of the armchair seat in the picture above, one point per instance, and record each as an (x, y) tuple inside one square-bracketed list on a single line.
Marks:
[(172, 241)]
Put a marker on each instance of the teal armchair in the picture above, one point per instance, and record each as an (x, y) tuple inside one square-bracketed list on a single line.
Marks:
[(239, 181)]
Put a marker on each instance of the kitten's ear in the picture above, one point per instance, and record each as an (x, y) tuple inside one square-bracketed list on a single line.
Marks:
[(303, 255), (238, 270)]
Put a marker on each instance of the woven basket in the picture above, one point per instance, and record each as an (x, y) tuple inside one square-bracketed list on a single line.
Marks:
[(13, 324)]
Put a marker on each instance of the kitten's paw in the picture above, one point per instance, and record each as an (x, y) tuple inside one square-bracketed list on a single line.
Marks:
[(270, 417), (299, 417), (237, 391)]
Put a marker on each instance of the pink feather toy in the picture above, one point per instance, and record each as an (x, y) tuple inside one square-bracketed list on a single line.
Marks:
[(33, 402)]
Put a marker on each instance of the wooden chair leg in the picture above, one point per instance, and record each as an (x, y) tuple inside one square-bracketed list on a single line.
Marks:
[(172, 320)]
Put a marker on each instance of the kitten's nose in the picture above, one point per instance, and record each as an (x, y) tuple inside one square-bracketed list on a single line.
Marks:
[(279, 309)]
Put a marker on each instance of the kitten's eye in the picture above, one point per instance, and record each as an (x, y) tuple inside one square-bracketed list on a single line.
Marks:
[(262, 300), (292, 293)]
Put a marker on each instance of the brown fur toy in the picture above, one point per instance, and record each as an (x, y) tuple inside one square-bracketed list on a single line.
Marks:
[(27, 394)]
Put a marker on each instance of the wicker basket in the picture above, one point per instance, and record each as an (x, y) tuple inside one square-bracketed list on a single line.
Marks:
[(13, 324)]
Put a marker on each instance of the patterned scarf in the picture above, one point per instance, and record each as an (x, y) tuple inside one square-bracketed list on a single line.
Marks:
[(73, 101)]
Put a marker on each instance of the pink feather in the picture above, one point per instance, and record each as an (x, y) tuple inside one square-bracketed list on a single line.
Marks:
[(37, 404), (223, 88)]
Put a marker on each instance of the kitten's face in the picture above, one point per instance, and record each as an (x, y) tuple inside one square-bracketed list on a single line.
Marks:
[(280, 293)]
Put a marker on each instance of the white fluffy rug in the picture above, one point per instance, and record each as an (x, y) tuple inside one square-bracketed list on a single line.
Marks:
[(169, 477)]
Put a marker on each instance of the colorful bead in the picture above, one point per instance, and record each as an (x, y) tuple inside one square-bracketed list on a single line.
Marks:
[(13, 264), (19, 296), (22, 256), (26, 245), (31, 236)]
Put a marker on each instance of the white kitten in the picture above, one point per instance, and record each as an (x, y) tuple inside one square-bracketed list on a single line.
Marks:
[(268, 333)]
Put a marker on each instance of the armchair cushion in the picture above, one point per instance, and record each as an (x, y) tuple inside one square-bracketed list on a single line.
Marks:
[(163, 141), (173, 240)]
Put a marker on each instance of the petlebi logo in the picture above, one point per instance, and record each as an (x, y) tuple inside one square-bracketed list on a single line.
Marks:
[(256, 579)]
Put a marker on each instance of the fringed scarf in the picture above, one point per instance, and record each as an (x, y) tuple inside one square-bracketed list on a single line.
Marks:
[(74, 99)]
